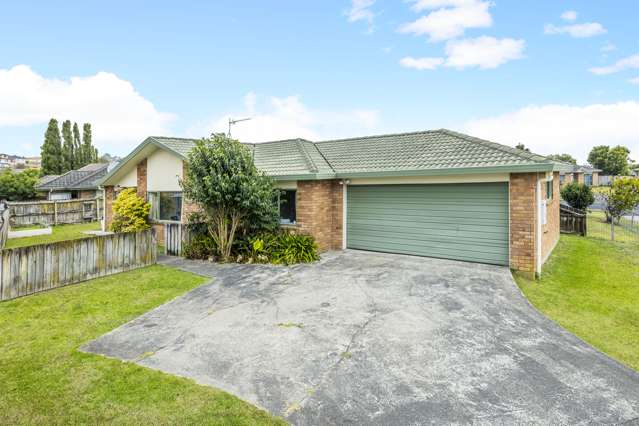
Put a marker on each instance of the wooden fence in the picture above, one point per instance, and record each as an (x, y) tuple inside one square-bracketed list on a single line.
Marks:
[(572, 221), (55, 212), (28, 270), (176, 235)]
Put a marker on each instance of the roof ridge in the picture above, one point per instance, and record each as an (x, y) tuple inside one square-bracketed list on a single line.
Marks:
[(307, 158), (385, 135), (173, 137), (504, 148)]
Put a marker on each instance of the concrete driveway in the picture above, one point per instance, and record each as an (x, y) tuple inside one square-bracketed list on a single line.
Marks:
[(367, 338)]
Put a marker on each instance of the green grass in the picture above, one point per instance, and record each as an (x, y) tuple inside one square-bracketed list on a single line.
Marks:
[(59, 233), (591, 288), (44, 379), (625, 231)]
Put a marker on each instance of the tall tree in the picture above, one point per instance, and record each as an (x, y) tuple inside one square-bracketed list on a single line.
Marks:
[(566, 158), (67, 147), (613, 161), (87, 145), (77, 146), (51, 150)]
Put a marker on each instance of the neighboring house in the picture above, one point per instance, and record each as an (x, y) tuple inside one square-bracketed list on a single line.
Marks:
[(580, 174), (81, 183), (433, 193)]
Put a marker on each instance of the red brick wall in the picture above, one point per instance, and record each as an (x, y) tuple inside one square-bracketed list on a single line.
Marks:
[(550, 230), (142, 179), (319, 212), (523, 219), (579, 177), (109, 196)]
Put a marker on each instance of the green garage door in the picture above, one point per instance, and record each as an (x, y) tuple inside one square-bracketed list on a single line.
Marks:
[(452, 221)]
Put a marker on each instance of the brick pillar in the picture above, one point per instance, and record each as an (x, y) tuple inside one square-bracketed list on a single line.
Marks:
[(579, 178), (109, 196), (319, 212), (523, 222), (142, 179)]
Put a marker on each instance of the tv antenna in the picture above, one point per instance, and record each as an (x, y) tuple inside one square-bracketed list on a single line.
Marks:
[(233, 121)]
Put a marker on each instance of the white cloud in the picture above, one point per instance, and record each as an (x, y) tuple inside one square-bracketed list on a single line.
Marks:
[(483, 52), (286, 118), (360, 11), (630, 62), (421, 63), (569, 15), (119, 115), (634, 80), (588, 29), (420, 5), (447, 23), (550, 129)]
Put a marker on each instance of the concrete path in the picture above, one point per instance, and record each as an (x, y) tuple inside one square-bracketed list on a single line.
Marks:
[(366, 338)]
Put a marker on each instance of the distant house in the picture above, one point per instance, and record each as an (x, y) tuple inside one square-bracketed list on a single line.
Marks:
[(581, 174), (81, 183)]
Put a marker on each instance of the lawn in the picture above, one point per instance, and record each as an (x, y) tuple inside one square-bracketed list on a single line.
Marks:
[(591, 288), (44, 379), (625, 231), (59, 233)]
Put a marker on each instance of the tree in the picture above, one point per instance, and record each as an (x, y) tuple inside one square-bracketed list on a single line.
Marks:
[(233, 194), (68, 154), (612, 161), (566, 158), (88, 152), (621, 198), (77, 147), (578, 195), (51, 150), (130, 212), (18, 186), (522, 147)]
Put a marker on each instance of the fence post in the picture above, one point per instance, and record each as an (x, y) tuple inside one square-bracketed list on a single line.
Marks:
[(55, 212)]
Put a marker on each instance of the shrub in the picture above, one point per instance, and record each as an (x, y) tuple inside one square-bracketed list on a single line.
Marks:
[(130, 212), (199, 247), (278, 248), (578, 195)]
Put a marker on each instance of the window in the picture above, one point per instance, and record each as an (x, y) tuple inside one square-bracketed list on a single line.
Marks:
[(549, 190), (166, 205), (561, 179), (588, 179), (287, 206)]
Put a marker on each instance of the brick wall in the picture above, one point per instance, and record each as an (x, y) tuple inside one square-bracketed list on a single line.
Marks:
[(109, 196), (595, 178), (88, 194), (188, 207), (579, 177), (319, 212), (142, 179), (550, 230), (567, 179), (523, 219)]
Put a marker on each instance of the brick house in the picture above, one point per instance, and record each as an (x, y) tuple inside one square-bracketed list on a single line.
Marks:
[(580, 174), (74, 184), (433, 193)]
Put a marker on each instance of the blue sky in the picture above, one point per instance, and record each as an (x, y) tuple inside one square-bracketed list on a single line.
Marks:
[(506, 70)]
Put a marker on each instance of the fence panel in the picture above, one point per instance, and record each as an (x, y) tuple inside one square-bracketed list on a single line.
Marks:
[(173, 238), (572, 221), (28, 270), (624, 229), (55, 212)]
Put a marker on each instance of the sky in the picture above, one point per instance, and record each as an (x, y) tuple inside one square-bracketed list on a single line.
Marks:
[(559, 76)]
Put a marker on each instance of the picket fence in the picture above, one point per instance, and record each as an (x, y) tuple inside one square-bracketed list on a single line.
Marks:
[(57, 212), (28, 270)]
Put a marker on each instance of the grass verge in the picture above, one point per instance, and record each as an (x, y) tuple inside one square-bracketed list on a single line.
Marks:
[(591, 287), (44, 379), (58, 233)]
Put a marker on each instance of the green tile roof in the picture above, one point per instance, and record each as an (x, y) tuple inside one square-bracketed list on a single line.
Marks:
[(427, 152)]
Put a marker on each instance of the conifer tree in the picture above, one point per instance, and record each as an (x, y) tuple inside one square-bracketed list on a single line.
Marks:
[(67, 147), (77, 147), (87, 147), (51, 150)]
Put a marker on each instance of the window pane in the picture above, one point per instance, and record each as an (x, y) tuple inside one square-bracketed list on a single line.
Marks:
[(287, 206), (170, 206)]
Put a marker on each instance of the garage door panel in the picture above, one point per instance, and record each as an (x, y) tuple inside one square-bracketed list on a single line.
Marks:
[(456, 221)]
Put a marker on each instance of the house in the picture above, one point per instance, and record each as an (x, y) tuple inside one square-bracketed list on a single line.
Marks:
[(581, 174), (432, 193), (81, 183)]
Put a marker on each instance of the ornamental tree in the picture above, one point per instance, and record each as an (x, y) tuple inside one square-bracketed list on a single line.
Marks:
[(621, 198), (578, 195), (232, 193)]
